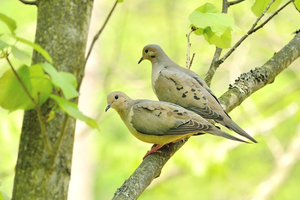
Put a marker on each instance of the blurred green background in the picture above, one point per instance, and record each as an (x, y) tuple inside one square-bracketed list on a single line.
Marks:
[(206, 167)]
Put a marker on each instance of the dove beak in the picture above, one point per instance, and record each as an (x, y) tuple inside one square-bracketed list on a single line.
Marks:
[(142, 58), (107, 107)]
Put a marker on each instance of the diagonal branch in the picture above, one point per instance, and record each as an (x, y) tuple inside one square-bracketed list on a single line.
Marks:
[(244, 86), (248, 83), (36, 106), (231, 3), (216, 63), (93, 43)]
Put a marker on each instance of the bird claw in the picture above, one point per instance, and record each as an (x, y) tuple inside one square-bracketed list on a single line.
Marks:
[(154, 149)]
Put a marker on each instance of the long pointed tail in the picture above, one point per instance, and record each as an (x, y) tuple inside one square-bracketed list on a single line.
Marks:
[(218, 132), (234, 127)]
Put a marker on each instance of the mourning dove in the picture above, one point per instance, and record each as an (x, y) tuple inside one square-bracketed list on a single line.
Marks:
[(160, 122), (173, 83)]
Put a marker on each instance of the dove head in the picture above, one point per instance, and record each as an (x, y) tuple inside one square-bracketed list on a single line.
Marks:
[(118, 101), (153, 53)]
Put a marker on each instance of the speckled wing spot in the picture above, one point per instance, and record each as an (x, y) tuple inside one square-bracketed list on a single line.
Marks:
[(157, 113), (184, 94), (179, 88), (197, 98)]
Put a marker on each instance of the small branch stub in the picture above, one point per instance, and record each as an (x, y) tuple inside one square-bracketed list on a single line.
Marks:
[(188, 59)]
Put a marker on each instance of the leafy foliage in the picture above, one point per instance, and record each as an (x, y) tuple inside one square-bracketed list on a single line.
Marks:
[(12, 93), (29, 86), (63, 80), (9, 22), (72, 110), (36, 47), (216, 27), (260, 5)]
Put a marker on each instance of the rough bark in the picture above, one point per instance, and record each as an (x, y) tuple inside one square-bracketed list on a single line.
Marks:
[(62, 29), (243, 87)]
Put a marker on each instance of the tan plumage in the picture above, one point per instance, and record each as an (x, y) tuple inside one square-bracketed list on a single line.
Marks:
[(160, 122), (173, 83)]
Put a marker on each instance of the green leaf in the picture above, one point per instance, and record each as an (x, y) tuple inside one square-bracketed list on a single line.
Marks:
[(9, 22), (297, 4), (70, 79), (36, 47), (120, 1), (208, 8), (41, 84), (260, 5), (65, 81), (3, 45), (207, 19), (71, 109), (19, 54), (222, 41), (13, 95)]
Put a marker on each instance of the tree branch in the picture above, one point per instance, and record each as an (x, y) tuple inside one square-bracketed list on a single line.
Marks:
[(36, 106), (216, 63), (29, 2), (148, 170), (93, 43), (248, 83), (244, 86), (234, 2), (273, 15), (188, 59)]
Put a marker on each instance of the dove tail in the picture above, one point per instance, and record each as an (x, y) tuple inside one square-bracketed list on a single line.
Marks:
[(234, 127), (226, 135)]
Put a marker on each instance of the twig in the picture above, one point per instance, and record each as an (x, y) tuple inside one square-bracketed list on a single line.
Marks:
[(253, 29), (193, 56), (273, 15), (81, 73), (214, 63), (59, 140), (93, 43), (29, 2), (99, 32), (261, 16), (234, 2), (37, 107), (225, 6), (21, 82), (213, 66), (188, 62)]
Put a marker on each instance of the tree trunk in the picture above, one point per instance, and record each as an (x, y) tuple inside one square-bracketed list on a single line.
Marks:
[(62, 29)]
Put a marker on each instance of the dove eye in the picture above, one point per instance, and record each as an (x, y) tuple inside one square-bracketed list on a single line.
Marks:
[(116, 97), (146, 50)]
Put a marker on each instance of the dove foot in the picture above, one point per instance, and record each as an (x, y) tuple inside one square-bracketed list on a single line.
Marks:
[(155, 148)]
